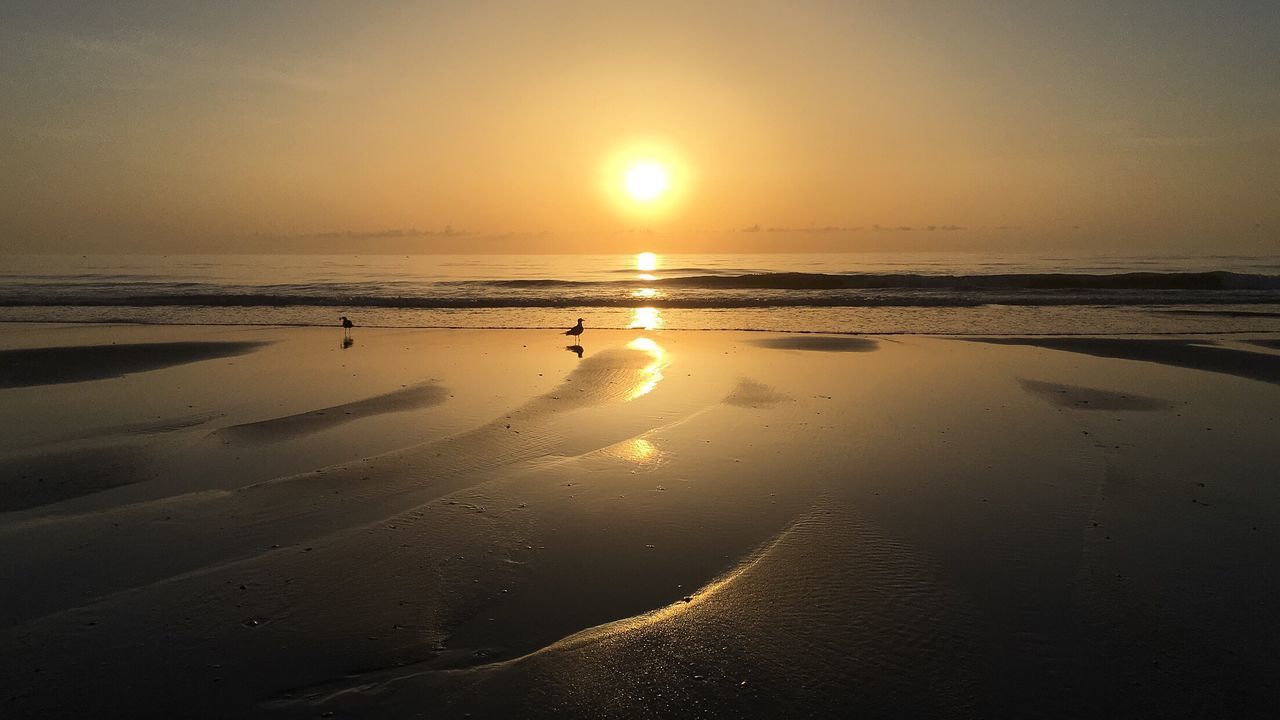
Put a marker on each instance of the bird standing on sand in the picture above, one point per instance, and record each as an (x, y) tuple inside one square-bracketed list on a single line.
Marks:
[(346, 324), (576, 330)]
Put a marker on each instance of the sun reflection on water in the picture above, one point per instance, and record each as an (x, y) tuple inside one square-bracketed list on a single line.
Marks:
[(646, 318), (646, 263)]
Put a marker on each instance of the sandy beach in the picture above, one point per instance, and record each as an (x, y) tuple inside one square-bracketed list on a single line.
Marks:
[(264, 522)]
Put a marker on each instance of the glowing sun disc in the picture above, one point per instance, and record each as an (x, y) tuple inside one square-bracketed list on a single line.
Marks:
[(646, 181)]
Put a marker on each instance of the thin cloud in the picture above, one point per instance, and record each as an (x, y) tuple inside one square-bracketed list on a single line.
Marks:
[(384, 234)]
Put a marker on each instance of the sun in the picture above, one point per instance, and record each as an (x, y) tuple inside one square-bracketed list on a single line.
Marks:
[(647, 181)]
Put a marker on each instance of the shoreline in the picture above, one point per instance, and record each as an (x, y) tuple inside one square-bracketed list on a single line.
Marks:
[(622, 328)]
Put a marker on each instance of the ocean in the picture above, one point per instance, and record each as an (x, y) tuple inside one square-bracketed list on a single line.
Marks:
[(846, 293)]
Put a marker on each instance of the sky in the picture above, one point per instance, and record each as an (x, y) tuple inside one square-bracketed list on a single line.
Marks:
[(1143, 126)]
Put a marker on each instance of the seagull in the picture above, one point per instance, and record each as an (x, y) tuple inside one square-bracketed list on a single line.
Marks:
[(576, 330)]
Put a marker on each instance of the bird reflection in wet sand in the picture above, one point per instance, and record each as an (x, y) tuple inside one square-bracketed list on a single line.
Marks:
[(347, 342), (575, 349)]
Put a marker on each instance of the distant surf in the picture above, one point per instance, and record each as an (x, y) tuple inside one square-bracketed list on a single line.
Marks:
[(751, 290), (891, 293)]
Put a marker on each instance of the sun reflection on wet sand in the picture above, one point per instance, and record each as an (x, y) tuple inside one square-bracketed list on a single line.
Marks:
[(641, 450), (650, 375), (637, 450)]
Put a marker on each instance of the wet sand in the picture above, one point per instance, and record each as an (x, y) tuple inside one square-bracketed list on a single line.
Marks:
[(1192, 354), (41, 478), (49, 366), (1083, 398), (312, 421), (477, 523), (820, 343)]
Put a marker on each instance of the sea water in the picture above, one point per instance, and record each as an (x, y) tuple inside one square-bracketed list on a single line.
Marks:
[(848, 293)]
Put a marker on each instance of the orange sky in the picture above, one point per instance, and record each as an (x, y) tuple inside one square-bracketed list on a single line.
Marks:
[(319, 126)]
